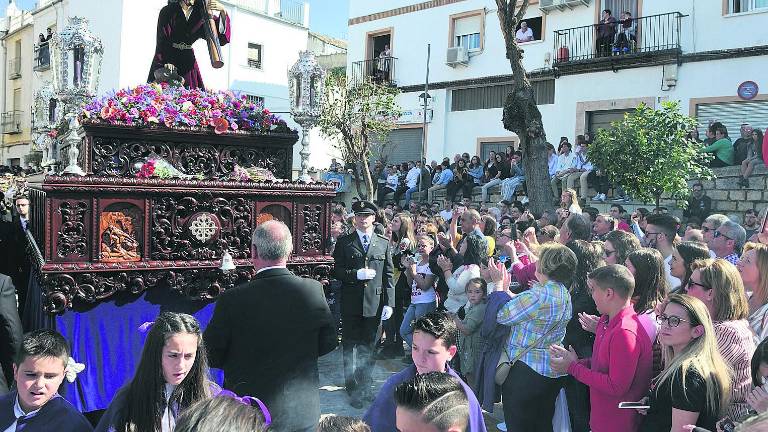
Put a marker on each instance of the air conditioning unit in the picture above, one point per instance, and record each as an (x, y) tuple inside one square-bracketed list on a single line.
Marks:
[(548, 5), (457, 56)]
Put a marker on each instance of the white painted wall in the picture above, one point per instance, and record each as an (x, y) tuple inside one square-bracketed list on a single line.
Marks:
[(455, 132)]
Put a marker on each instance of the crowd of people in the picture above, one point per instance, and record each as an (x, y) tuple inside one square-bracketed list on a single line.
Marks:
[(609, 321)]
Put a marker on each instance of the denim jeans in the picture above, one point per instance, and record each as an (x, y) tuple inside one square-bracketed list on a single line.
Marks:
[(408, 194), (414, 312), (490, 184)]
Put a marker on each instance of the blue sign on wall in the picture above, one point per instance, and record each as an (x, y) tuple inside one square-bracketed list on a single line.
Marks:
[(748, 90)]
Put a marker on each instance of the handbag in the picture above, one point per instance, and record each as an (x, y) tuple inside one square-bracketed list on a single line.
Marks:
[(505, 364)]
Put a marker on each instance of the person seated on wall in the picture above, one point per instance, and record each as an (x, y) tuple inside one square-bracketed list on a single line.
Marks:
[(721, 147)]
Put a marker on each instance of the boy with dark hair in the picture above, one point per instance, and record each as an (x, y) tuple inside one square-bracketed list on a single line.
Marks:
[(434, 345), (431, 402), (620, 369), (35, 405)]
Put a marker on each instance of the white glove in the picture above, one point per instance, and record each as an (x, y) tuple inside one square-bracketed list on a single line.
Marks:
[(386, 313), (365, 274)]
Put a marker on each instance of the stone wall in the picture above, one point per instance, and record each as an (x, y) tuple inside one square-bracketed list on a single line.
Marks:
[(728, 197)]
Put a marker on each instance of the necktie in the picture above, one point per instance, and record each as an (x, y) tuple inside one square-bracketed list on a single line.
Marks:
[(366, 242)]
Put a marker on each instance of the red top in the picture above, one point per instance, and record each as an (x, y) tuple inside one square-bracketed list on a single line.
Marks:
[(621, 371)]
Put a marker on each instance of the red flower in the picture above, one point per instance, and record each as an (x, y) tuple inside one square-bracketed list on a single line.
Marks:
[(220, 124)]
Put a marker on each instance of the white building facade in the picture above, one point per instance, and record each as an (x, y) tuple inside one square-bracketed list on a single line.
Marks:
[(267, 36), (709, 55)]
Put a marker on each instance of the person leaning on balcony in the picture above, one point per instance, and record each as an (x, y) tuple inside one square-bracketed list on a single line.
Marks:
[(442, 182), (721, 148), (606, 30)]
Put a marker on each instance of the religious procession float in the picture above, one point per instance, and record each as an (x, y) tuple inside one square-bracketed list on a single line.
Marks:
[(150, 200)]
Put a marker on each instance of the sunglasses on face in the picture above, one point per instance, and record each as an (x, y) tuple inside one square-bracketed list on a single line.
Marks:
[(670, 321), (717, 234)]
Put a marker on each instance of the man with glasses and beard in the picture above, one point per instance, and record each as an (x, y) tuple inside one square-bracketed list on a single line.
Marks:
[(660, 234)]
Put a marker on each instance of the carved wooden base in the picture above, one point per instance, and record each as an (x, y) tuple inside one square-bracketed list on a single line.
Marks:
[(61, 290)]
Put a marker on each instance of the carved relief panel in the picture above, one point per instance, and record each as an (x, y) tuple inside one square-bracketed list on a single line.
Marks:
[(72, 235), (121, 233)]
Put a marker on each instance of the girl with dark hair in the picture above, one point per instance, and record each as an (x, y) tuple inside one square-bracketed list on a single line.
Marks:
[(461, 181), (476, 170), (683, 255), (502, 172), (489, 167), (402, 244), (172, 375), (754, 157), (651, 286), (589, 256), (474, 251)]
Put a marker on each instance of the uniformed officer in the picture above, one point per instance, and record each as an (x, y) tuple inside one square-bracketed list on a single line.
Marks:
[(363, 263)]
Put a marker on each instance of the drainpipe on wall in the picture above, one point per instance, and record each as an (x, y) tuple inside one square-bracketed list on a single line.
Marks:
[(4, 87)]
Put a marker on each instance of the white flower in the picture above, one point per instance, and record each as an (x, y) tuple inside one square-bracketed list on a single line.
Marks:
[(73, 368)]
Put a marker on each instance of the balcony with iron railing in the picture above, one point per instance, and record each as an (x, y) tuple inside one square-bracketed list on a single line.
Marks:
[(14, 68), (42, 56), (630, 43), (11, 122), (379, 70)]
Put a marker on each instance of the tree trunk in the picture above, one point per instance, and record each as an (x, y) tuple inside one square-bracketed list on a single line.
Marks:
[(360, 193), (522, 116), (368, 181), (658, 198)]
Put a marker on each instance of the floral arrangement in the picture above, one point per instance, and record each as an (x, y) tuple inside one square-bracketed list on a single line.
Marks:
[(155, 104), (156, 166), (251, 174)]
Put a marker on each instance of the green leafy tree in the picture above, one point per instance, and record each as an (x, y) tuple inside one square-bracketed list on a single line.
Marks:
[(358, 118), (648, 153), (521, 115)]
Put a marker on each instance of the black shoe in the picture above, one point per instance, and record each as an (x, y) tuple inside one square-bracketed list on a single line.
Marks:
[(356, 402), (745, 182), (350, 386)]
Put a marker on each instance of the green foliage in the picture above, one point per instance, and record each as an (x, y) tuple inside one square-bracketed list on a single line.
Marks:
[(648, 153), (355, 115)]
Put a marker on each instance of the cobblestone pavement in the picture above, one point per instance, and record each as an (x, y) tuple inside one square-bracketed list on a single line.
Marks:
[(334, 400)]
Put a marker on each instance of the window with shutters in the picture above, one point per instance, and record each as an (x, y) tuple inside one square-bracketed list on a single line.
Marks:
[(466, 30), (493, 96), (741, 6), (254, 55)]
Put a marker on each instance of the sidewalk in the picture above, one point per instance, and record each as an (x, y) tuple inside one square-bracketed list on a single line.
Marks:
[(334, 400)]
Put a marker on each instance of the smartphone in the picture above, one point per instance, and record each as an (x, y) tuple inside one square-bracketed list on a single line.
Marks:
[(634, 405)]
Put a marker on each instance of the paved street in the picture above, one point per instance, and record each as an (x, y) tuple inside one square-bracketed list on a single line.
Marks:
[(333, 398)]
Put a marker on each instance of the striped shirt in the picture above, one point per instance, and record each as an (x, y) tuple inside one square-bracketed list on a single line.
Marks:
[(736, 344), (544, 309)]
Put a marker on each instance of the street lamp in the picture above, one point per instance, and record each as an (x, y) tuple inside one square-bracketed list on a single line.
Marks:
[(76, 65), (307, 89)]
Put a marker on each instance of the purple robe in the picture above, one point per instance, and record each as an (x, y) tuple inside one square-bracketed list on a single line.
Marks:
[(57, 415), (174, 28), (381, 414), (494, 336)]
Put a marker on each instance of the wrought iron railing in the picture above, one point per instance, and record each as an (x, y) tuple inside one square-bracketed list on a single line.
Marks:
[(655, 33), (42, 56), (379, 70), (14, 68), (292, 11), (11, 121)]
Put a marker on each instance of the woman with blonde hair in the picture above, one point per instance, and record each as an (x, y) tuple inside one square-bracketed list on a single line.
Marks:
[(694, 387), (718, 285), (753, 268), (570, 200), (402, 243)]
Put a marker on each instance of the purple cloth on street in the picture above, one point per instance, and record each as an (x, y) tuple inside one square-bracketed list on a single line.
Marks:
[(495, 337), (381, 414), (174, 28), (56, 415)]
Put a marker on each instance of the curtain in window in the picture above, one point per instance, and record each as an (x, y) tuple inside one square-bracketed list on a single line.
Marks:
[(617, 7)]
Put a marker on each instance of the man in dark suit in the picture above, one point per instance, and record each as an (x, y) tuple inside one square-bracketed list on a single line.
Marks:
[(13, 240), (363, 263), (267, 334), (10, 332)]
